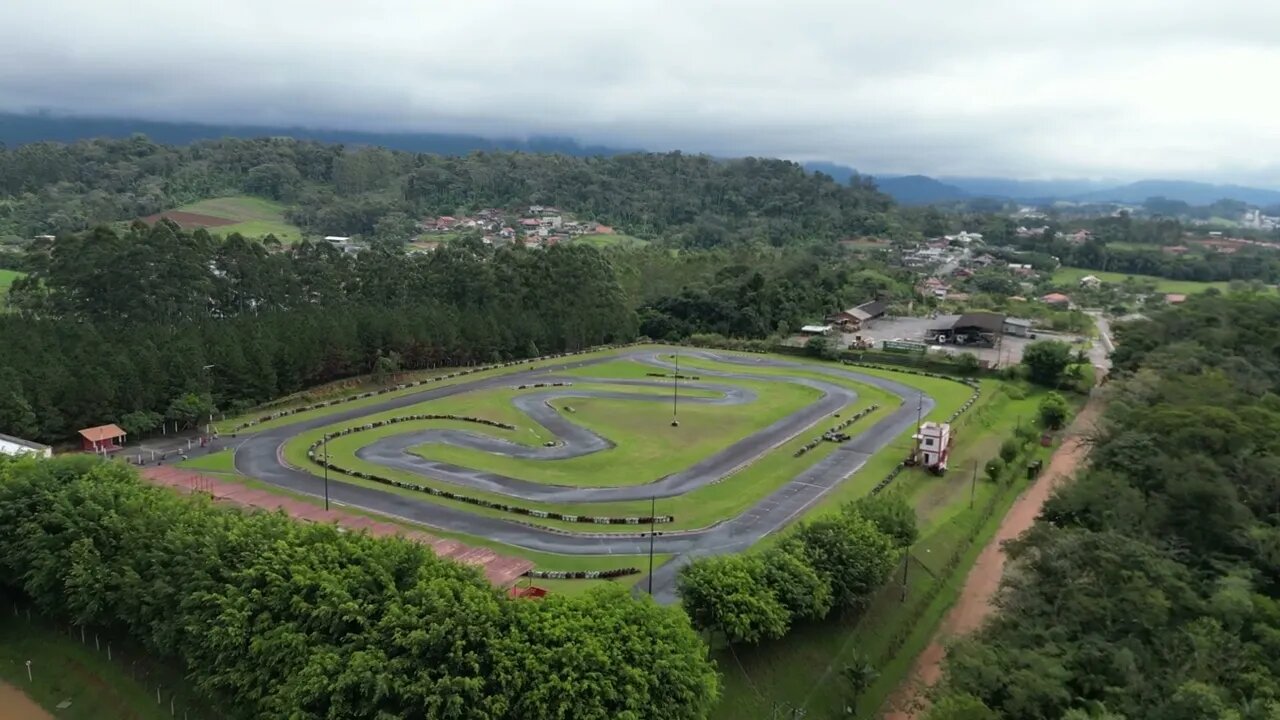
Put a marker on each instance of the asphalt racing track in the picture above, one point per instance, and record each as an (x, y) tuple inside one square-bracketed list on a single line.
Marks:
[(261, 456)]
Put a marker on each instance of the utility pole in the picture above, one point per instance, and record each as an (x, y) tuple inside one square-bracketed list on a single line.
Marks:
[(326, 472), (653, 520)]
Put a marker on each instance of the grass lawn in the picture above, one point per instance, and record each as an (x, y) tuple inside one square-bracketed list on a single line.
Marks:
[(600, 240), (220, 465), (255, 217), (64, 670), (758, 677), (647, 446), (6, 279), (693, 510), (1070, 276), (306, 398)]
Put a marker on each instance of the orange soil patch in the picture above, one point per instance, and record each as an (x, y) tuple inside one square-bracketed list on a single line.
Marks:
[(15, 705), (189, 220), (501, 570), (975, 602)]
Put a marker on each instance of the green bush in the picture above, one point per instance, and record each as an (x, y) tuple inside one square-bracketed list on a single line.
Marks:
[(276, 618)]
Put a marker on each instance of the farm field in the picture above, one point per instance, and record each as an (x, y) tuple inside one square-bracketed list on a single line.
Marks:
[(6, 279), (1070, 277), (606, 240), (250, 216)]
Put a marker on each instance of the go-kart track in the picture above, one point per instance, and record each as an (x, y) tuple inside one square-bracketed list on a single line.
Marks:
[(261, 456)]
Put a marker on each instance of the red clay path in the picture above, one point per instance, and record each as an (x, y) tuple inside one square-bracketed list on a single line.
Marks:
[(975, 601), (500, 570)]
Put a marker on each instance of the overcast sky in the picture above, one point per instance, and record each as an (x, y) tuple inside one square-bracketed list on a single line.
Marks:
[(1021, 88)]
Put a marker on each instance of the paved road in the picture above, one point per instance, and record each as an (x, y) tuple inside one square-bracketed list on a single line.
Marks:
[(260, 456)]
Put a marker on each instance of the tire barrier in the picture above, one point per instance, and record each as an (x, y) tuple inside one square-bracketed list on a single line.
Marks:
[(676, 376), (581, 574), (416, 383), (313, 456), (833, 434)]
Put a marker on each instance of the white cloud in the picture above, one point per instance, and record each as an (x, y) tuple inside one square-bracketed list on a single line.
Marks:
[(1126, 88)]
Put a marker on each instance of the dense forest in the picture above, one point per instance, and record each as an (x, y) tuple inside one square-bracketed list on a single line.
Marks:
[(690, 200), (273, 618), (159, 324), (1150, 587)]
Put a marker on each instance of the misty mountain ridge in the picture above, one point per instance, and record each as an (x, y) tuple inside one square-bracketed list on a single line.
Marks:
[(20, 129)]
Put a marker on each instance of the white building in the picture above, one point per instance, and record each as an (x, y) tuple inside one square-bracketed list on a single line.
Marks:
[(816, 329), (10, 445), (934, 443)]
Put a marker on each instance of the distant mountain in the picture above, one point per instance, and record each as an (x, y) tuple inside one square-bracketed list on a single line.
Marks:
[(18, 129), (919, 190), (1192, 193), (1026, 189), (840, 173)]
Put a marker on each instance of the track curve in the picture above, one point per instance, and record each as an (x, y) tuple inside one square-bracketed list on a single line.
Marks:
[(261, 456)]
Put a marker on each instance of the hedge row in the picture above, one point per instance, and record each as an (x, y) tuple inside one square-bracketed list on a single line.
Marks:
[(856, 417), (582, 574), (450, 495), (416, 383)]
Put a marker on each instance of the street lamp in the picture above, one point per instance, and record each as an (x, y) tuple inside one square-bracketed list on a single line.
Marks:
[(675, 392), (326, 472), (653, 519)]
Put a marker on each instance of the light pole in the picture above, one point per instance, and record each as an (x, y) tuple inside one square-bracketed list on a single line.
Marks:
[(326, 472), (675, 393), (653, 519)]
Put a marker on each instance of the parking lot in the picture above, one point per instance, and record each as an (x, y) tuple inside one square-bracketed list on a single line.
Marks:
[(914, 329)]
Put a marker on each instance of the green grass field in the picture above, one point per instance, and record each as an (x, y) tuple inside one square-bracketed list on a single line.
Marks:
[(6, 279), (648, 447), (755, 678), (255, 217), (1070, 277), (697, 509), (63, 670), (615, 240)]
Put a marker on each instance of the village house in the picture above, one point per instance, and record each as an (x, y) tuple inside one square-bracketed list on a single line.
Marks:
[(1090, 281), (1175, 298), (1056, 299)]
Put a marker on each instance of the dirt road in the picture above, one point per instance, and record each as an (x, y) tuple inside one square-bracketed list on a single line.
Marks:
[(14, 705), (974, 604)]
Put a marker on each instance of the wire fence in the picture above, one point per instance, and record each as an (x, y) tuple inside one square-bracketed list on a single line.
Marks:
[(156, 677)]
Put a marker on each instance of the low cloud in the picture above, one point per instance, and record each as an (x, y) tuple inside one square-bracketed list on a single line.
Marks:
[(1127, 88)]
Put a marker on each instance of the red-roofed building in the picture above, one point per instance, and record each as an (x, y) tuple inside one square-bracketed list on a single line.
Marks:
[(1056, 299), (101, 439), (1175, 298), (530, 222), (604, 230)]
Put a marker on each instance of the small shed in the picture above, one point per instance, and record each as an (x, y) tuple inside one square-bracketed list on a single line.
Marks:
[(10, 445), (1018, 327), (101, 439)]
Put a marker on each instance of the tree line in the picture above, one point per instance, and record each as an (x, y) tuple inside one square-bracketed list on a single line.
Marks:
[(1150, 586), (833, 563), (275, 618), (690, 200), (158, 324)]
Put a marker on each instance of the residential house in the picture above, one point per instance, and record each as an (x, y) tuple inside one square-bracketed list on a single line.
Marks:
[(1057, 299), (1090, 281), (1175, 298)]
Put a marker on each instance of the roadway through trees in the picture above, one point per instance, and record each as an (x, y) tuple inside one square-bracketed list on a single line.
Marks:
[(261, 456)]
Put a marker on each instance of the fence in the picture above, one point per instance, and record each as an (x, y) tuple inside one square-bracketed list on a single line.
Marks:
[(155, 676)]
